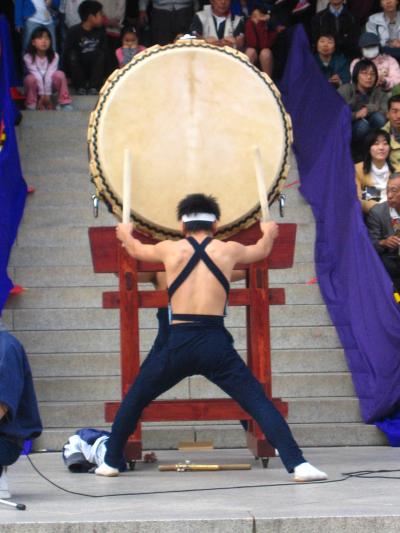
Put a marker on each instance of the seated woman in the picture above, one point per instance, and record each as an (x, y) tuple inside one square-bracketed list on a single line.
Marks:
[(388, 67), (335, 67), (368, 103), (259, 36), (373, 172), (386, 25)]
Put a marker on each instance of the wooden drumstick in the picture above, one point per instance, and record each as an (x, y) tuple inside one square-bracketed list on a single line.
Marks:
[(127, 186), (261, 186)]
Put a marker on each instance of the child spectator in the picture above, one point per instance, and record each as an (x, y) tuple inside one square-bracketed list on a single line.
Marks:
[(368, 103), (337, 20), (86, 49), (388, 67), (373, 172), (130, 46), (41, 63), (335, 67), (29, 14), (259, 36), (386, 25)]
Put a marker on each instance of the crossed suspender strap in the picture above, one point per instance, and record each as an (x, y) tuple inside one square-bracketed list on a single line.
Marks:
[(199, 254)]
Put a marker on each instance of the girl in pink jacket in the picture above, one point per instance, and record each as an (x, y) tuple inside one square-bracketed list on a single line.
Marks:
[(41, 63)]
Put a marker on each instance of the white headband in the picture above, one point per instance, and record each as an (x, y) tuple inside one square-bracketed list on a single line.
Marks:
[(203, 217)]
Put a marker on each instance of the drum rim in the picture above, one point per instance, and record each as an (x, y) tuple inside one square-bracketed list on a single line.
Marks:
[(114, 204)]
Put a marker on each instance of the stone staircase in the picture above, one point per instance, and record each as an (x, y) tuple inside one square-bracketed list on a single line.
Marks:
[(73, 343)]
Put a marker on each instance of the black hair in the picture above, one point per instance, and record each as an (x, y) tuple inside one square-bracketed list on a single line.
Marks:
[(127, 29), (369, 141), (364, 64), (326, 34), (394, 175), (89, 7), (38, 32), (393, 99), (198, 203)]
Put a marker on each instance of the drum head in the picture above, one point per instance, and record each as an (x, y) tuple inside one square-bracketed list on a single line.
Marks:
[(190, 113)]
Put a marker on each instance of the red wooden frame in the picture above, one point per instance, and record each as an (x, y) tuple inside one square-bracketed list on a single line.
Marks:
[(108, 256)]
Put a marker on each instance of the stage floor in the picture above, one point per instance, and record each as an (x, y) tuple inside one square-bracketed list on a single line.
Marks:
[(355, 505)]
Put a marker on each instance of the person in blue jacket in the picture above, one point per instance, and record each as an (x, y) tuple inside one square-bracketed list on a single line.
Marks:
[(32, 13), (335, 67), (19, 413)]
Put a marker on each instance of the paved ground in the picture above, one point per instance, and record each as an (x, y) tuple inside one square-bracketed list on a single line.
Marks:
[(353, 505)]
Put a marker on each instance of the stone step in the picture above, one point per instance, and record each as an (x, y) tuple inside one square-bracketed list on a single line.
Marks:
[(233, 436), (108, 364), (107, 340), (90, 388), (305, 411), (87, 297), (288, 386), (90, 318), (49, 120), (79, 216), (67, 236), (81, 276), (58, 166)]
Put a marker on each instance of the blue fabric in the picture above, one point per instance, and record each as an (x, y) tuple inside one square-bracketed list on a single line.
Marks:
[(12, 184), (9, 452), (22, 420), (204, 350), (353, 282)]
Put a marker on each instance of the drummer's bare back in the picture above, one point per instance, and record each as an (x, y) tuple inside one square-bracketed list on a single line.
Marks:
[(201, 293)]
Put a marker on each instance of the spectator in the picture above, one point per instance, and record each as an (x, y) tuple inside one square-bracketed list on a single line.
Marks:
[(69, 8), (130, 46), (335, 67), (337, 20), (362, 9), (29, 14), (383, 224), (86, 49), (169, 18), (368, 103), (386, 25), (114, 15), (19, 414), (43, 77), (388, 67), (373, 172), (259, 36), (393, 128), (216, 24)]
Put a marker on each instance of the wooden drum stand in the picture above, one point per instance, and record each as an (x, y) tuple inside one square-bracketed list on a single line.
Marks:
[(109, 257)]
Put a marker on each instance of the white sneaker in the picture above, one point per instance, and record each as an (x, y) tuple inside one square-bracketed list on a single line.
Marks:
[(307, 472), (107, 471), (4, 492)]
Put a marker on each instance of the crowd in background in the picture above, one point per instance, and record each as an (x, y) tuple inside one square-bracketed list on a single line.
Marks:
[(356, 44)]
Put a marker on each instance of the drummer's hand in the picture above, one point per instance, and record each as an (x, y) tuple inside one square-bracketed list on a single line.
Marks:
[(124, 231), (270, 228)]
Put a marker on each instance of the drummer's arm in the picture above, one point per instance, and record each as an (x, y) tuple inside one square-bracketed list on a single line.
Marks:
[(151, 253), (258, 251)]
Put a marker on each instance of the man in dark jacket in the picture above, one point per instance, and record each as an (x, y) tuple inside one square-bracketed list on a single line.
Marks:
[(337, 20), (384, 229), (19, 414)]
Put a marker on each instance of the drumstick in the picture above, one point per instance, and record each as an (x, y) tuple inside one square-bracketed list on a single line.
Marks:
[(262, 188), (127, 187)]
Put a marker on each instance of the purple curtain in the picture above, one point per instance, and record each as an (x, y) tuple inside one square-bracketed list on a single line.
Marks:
[(12, 184), (352, 280)]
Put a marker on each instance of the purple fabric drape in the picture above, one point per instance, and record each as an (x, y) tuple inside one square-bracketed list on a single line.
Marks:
[(352, 280), (12, 184)]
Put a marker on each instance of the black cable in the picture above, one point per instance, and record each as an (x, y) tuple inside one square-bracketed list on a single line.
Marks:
[(181, 491), (360, 474)]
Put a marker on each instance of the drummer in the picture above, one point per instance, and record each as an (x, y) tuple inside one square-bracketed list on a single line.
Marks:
[(197, 272)]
